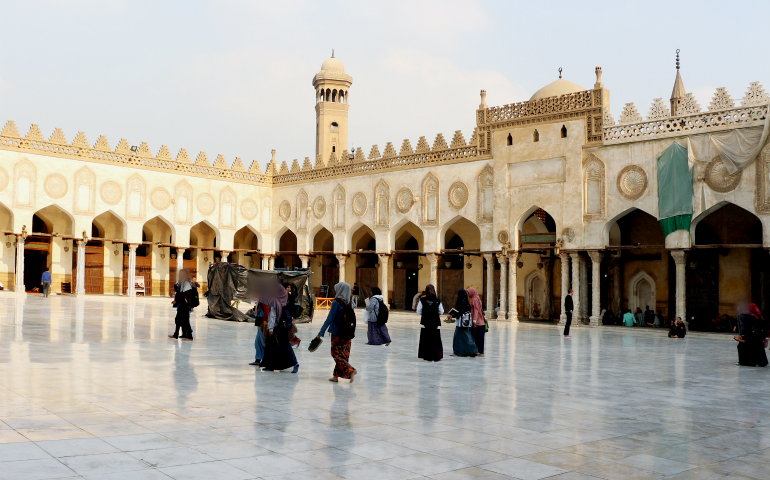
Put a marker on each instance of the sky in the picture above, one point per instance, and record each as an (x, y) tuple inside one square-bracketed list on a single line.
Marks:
[(234, 77)]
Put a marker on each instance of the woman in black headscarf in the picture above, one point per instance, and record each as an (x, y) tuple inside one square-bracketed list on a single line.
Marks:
[(431, 349), (463, 343), (278, 352), (752, 338)]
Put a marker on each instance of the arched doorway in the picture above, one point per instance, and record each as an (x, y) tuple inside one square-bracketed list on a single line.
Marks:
[(286, 254), (639, 270), (152, 258), (364, 246), (45, 248), (536, 291), (104, 259), (204, 240), (246, 244), (727, 264), (327, 268), (460, 266), (407, 248)]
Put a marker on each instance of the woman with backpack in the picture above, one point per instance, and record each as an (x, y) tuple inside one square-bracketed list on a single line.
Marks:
[(278, 352), (341, 323), (378, 316), (463, 344), (430, 310), (185, 299)]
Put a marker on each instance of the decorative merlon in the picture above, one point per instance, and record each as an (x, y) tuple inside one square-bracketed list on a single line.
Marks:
[(389, 152), (238, 165), (722, 100), (755, 95), (658, 110), (629, 115), (406, 148)]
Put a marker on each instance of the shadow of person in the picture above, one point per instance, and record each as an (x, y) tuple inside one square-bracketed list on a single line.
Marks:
[(185, 379)]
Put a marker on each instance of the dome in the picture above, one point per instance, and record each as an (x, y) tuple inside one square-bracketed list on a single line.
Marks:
[(559, 87), (333, 64)]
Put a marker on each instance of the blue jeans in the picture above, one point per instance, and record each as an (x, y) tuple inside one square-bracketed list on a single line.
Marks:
[(46, 288)]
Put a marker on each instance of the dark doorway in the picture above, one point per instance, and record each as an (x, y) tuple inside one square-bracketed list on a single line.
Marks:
[(412, 286)]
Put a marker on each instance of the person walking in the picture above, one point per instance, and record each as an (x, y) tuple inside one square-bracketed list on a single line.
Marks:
[(752, 338), (46, 280), (462, 342), (569, 307), (278, 352), (260, 321), (628, 318), (430, 310), (377, 311), (184, 300), (338, 322), (479, 323)]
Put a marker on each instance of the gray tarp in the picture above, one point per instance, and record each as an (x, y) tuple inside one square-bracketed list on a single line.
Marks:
[(229, 282)]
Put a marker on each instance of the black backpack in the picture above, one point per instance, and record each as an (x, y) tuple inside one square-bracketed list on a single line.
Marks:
[(346, 322), (382, 313)]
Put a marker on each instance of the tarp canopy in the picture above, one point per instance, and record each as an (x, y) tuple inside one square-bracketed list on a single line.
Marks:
[(675, 189), (229, 282), (737, 148)]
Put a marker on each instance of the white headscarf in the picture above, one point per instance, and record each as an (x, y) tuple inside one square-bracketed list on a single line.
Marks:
[(343, 292)]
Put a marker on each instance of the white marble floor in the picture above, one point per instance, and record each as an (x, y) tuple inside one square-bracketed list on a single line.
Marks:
[(92, 388)]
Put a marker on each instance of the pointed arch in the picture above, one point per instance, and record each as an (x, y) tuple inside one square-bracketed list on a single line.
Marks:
[(613, 221), (727, 223), (641, 291), (58, 220), (464, 228), (205, 234), (430, 204), (6, 218), (246, 237), (405, 226), (159, 229), (322, 240), (113, 225), (534, 297), (357, 237)]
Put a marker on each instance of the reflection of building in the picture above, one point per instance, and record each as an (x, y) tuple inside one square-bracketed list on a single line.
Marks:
[(538, 185)]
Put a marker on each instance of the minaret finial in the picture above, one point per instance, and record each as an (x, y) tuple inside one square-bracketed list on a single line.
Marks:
[(677, 59), (559, 72), (333, 53)]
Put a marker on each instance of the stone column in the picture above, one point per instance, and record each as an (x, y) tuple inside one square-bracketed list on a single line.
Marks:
[(179, 261), (130, 291), (271, 262), (583, 288), (265, 262), (564, 258), (80, 282), (19, 278), (596, 263), (503, 259), (433, 259), (223, 258), (305, 259), (489, 289), (576, 288), (384, 262), (513, 297), (342, 259), (680, 259)]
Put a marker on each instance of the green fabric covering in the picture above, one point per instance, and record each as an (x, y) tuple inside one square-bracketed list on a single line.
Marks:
[(675, 189), (672, 224)]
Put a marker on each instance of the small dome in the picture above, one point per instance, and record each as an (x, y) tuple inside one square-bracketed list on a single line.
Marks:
[(333, 64), (559, 87)]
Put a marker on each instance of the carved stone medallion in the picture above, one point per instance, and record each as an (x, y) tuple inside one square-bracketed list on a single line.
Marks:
[(359, 204), (404, 200), (55, 186), (205, 204), (458, 195), (632, 182), (719, 179), (111, 193), (249, 209), (503, 237), (319, 208), (284, 210), (568, 234), (4, 178), (160, 198)]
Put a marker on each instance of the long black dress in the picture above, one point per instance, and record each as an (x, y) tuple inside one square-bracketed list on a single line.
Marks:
[(278, 352), (431, 348), (751, 352)]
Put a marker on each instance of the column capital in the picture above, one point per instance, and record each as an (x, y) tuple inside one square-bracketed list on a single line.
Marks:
[(502, 258), (432, 258), (340, 256), (679, 256), (596, 256), (132, 247), (575, 255), (489, 257), (384, 257)]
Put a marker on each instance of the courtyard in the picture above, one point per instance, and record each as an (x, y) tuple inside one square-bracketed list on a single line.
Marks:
[(91, 387)]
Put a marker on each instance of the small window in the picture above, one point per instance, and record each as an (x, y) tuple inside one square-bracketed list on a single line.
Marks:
[(510, 140), (536, 136), (563, 131), (334, 149)]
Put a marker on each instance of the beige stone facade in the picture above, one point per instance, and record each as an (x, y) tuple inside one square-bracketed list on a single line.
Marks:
[(536, 187)]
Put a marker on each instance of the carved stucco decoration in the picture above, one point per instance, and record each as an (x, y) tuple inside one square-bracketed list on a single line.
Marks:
[(205, 204), (319, 207), (160, 198), (284, 210), (228, 202), (359, 204), (719, 179), (430, 201), (267, 213), (404, 200), (594, 188), (762, 184), (302, 211), (55, 186), (503, 237), (485, 191), (84, 190), (568, 234), (249, 209), (136, 196), (4, 179), (458, 195), (632, 182), (338, 208), (183, 203), (111, 192), (382, 205), (24, 184)]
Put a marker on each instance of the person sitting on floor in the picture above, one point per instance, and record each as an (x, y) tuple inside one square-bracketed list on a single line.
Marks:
[(678, 329)]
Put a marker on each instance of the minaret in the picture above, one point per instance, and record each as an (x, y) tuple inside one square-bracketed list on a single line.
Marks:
[(332, 87), (679, 93)]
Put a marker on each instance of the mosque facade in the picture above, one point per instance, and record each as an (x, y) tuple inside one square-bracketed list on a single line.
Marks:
[(543, 195)]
